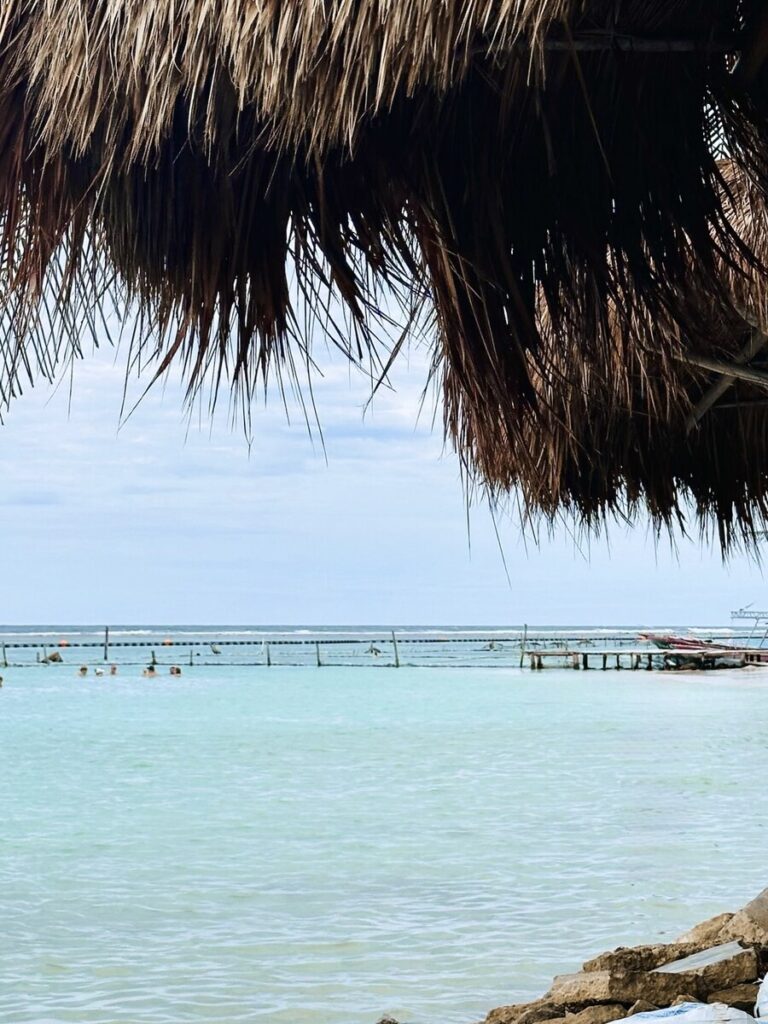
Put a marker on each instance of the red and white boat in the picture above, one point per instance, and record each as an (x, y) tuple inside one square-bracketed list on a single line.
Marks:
[(670, 642), (682, 645)]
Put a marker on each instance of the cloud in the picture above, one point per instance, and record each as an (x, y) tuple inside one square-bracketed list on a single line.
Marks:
[(31, 499), (171, 516)]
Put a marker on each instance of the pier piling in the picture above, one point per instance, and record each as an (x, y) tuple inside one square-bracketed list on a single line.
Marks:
[(397, 652)]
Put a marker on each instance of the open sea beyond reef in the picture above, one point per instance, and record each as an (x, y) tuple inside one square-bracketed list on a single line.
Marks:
[(305, 845)]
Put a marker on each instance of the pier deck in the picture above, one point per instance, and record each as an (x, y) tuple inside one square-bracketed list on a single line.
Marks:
[(646, 657)]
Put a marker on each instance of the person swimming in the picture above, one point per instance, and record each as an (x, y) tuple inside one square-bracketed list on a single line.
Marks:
[(149, 672), (113, 670), (83, 670)]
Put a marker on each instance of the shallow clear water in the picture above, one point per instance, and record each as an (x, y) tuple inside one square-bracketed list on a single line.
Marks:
[(310, 846)]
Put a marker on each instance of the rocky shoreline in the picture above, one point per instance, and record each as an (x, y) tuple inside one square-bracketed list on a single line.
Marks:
[(721, 960)]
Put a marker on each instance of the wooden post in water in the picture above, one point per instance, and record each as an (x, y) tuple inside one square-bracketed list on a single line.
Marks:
[(106, 643), (523, 642), (397, 653), (5, 656), (269, 660), (575, 661), (317, 651), (618, 661), (605, 662), (649, 666), (585, 661)]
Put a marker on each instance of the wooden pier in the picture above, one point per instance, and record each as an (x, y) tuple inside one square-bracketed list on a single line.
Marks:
[(648, 658)]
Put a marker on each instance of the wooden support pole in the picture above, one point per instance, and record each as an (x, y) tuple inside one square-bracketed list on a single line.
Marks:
[(317, 651), (397, 652), (759, 377), (757, 340), (649, 666), (605, 662), (585, 661), (523, 643), (618, 661), (539, 662), (5, 657), (575, 661), (269, 660), (598, 41), (106, 643), (190, 657)]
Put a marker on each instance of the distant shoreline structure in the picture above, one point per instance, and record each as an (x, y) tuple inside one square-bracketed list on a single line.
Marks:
[(415, 646)]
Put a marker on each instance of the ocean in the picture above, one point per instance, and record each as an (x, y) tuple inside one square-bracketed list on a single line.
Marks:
[(306, 845)]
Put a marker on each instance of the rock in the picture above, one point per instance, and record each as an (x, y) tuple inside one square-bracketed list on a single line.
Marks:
[(750, 925), (626, 987), (603, 1013), (546, 1010), (742, 997), (684, 999), (707, 933), (505, 1014), (641, 1006), (539, 1010), (386, 1019), (640, 958), (757, 909), (499, 1015), (744, 928), (716, 968)]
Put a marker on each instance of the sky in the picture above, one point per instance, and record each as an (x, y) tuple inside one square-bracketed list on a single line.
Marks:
[(169, 519)]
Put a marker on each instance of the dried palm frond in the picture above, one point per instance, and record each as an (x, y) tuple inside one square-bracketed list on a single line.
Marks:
[(652, 429), (543, 175)]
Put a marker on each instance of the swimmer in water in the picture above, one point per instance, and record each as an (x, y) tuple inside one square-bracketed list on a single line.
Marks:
[(149, 672), (83, 670), (113, 670)]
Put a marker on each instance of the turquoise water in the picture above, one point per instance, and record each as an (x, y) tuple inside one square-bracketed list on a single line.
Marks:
[(309, 846)]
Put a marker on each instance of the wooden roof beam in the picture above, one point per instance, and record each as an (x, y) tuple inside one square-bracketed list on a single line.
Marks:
[(729, 374), (597, 42)]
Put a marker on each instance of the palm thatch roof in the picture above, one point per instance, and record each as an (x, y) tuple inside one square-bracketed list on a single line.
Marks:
[(574, 191)]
